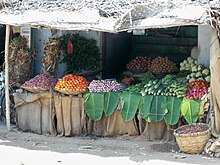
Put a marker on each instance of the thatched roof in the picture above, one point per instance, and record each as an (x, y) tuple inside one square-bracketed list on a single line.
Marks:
[(105, 15)]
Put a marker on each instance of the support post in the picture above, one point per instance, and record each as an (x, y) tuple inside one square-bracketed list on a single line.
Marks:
[(7, 37)]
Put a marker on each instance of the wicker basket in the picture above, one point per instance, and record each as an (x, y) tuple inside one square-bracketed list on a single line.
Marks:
[(35, 89), (192, 143), (70, 92)]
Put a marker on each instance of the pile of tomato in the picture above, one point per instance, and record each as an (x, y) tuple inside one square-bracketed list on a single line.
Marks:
[(72, 83), (199, 83)]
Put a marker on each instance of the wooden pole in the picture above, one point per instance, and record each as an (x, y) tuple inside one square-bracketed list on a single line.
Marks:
[(7, 77)]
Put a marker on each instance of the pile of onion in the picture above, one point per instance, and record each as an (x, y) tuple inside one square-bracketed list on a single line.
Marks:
[(107, 85), (139, 64), (44, 81), (162, 65)]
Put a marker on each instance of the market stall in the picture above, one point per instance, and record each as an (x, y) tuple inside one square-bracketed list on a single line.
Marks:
[(166, 95), (150, 108)]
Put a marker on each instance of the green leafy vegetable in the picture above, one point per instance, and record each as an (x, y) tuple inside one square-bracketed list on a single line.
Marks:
[(85, 55)]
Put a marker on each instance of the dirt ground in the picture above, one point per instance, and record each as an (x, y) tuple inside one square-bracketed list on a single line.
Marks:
[(22, 148)]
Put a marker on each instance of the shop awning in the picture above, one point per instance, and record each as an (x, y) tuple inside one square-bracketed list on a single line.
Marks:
[(105, 15)]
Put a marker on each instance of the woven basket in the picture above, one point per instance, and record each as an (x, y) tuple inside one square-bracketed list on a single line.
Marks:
[(192, 143), (35, 89), (70, 92)]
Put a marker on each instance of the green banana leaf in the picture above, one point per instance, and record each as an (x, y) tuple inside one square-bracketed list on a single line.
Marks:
[(190, 110), (145, 105), (157, 110), (110, 102), (94, 105), (131, 102), (173, 106)]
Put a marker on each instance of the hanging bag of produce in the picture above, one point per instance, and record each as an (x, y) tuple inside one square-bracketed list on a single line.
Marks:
[(69, 47)]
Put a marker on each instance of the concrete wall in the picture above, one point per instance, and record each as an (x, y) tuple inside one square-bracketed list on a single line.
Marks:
[(41, 36), (204, 40)]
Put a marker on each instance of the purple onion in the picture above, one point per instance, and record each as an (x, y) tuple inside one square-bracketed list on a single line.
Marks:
[(104, 86), (45, 81)]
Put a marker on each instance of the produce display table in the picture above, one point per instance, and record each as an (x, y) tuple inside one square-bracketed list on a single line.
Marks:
[(49, 113), (58, 114), (156, 131), (34, 112), (113, 125), (70, 115)]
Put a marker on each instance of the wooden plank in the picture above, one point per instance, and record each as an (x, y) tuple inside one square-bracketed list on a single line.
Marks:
[(177, 58), (173, 31), (182, 31), (189, 31), (161, 49), (165, 41)]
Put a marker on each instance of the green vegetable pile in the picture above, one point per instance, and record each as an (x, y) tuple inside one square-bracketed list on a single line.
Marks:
[(147, 77), (85, 55), (197, 71), (134, 88), (167, 86)]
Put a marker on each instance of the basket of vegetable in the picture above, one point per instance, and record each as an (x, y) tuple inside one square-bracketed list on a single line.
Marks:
[(192, 138), (35, 89), (40, 83), (72, 85), (70, 92)]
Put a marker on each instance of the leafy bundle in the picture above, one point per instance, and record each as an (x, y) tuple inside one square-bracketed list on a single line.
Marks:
[(85, 53)]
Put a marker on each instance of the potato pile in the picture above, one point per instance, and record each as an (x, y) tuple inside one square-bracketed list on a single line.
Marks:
[(162, 65), (139, 64)]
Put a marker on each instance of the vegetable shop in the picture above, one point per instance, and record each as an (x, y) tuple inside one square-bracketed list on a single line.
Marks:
[(114, 70)]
